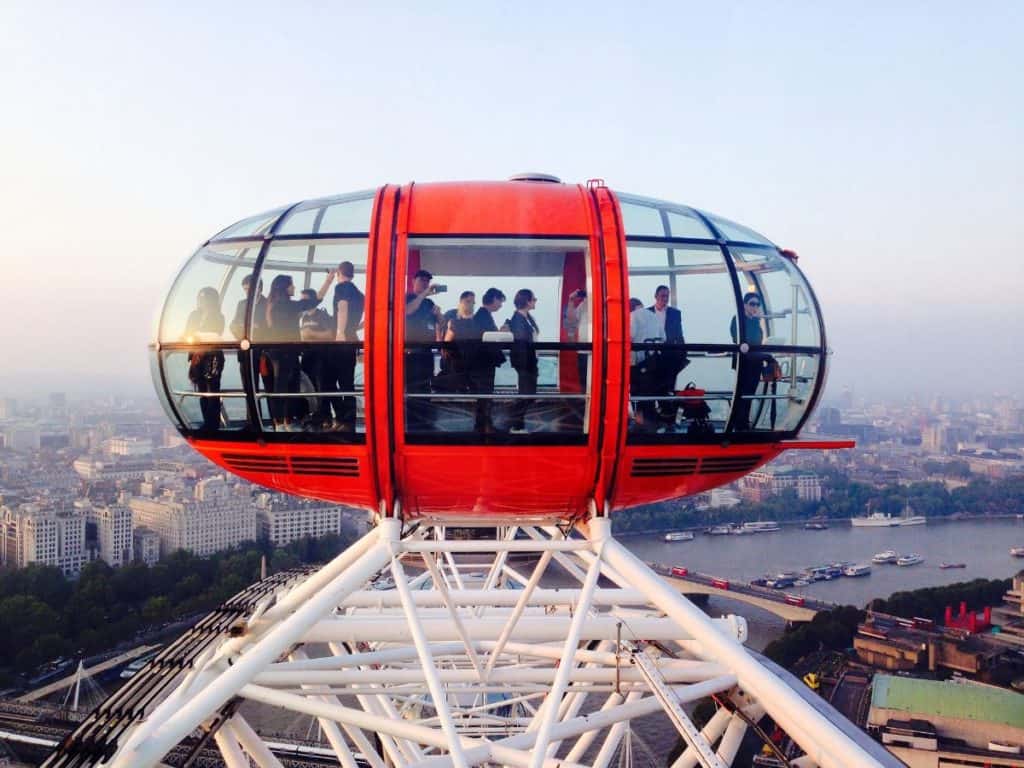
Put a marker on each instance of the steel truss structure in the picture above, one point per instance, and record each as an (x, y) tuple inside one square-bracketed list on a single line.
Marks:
[(468, 657)]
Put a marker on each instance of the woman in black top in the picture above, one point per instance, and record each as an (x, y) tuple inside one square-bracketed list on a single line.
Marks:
[(461, 328), (524, 356), (283, 313), (206, 323), (751, 364)]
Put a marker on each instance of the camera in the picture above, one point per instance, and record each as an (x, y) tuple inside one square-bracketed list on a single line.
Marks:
[(440, 289)]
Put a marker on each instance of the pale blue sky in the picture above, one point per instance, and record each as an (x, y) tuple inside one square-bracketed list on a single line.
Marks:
[(884, 145)]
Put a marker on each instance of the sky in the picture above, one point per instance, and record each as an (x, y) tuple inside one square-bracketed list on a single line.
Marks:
[(883, 144)]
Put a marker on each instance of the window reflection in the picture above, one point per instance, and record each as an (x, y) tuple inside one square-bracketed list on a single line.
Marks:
[(789, 317), (497, 340), (219, 268)]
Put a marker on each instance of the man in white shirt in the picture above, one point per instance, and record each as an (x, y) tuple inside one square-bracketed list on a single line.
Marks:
[(644, 328)]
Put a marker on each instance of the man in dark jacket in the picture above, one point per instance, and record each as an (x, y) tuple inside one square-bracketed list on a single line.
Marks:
[(259, 321), (672, 361), (489, 359)]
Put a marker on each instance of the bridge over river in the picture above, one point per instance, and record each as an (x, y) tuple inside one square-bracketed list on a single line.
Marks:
[(787, 605)]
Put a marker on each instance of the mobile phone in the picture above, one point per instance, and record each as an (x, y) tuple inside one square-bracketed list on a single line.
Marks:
[(440, 289)]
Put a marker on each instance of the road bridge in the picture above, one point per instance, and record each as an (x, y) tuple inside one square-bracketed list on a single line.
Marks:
[(788, 606)]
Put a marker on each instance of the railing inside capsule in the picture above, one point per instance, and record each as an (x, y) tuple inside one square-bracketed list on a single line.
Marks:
[(469, 391)]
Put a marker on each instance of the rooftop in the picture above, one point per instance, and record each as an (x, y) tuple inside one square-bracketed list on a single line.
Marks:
[(946, 699)]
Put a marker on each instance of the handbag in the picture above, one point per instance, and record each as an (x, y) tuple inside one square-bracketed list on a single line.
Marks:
[(694, 406)]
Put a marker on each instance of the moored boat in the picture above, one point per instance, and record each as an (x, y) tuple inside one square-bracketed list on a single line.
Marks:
[(815, 525), (875, 520), (947, 566), (719, 530), (889, 556), (909, 559), (857, 569), (678, 536), (760, 526)]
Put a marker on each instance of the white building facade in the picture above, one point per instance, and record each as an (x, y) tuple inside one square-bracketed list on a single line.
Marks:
[(284, 519), (33, 534), (215, 516)]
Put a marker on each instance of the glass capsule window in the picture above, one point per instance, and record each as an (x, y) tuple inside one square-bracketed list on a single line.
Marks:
[(497, 341), (249, 336), (724, 334)]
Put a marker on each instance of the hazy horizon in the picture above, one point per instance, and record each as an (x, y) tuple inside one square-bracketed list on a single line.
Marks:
[(884, 145)]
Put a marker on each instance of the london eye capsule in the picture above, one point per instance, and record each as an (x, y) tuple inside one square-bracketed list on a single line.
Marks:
[(484, 350)]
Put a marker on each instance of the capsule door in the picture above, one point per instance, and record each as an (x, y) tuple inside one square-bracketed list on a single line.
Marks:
[(497, 290)]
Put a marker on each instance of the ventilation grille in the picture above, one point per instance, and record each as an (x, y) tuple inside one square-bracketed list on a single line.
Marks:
[(337, 466), (244, 462), (342, 466), (664, 467), (676, 467), (728, 464)]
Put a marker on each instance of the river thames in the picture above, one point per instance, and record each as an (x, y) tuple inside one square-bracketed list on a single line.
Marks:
[(982, 545)]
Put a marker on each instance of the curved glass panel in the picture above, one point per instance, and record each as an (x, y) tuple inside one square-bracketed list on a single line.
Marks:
[(642, 220), (730, 230), (204, 301), (647, 217), (345, 214), (254, 226), (699, 284), (206, 388), (308, 372), (787, 314), (774, 390)]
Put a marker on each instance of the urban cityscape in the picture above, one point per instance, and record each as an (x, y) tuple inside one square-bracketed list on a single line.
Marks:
[(104, 482)]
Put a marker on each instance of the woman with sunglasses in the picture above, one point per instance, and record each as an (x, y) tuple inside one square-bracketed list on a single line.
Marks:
[(751, 363)]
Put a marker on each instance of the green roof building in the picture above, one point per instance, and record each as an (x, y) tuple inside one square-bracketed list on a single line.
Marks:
[(977, 714)]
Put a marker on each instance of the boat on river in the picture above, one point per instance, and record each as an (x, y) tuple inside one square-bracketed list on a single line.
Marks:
[(910, 559), (678, 536), (889, 556), (947, 566), (719, 530), (815, 525), (857, 569), (875, 520), (761, 526), (1017, 551)]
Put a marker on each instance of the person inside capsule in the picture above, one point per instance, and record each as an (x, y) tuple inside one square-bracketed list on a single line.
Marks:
[(422, 326), (206, 323), (283, 313), (524, 356), (671, 362), (462, 329), (644, 328), (490, 359), (751, 363), (340, 364)]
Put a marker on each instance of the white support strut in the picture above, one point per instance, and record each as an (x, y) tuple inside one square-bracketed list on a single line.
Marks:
[(475, 651)]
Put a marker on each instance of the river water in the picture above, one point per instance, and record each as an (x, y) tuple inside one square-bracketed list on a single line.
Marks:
[(983, 545)]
